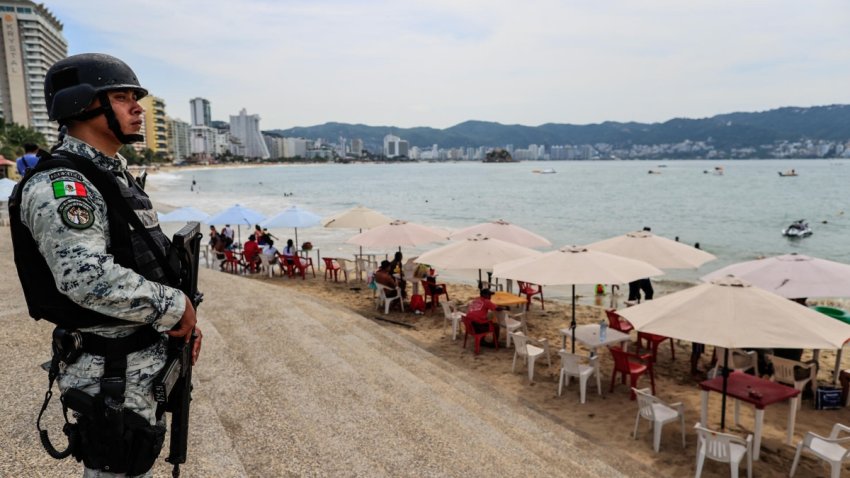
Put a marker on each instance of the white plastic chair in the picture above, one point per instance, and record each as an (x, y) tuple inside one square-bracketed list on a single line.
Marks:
[(362, 267), (530, 350), (571, 366), (739, 360), (453, 315), (513, 323), (386, 301), (658, 413), (346, 267), (827, 449), (783, 372), (724, 448), (268, 264)]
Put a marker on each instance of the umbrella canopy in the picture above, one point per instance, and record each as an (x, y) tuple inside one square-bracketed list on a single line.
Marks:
[(357, 218), (185, 214), (6, 186), (575, 265), (504, 231), (658, 251), (397, 234), (792, 275), (238, 215), (476, 252), (294, 217)]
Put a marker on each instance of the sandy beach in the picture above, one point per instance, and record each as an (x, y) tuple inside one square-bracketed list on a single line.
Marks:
[(297, 378)]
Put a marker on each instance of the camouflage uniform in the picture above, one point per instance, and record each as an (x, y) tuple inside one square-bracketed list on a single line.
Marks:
[(75, 250)]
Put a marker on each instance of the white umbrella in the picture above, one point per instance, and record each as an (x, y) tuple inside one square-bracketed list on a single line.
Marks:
[(185, 214), (477, 252), (238, 215), (504, 231), (575, 265), (357, 218), (731, 313), (6, 186), (397, 234), (659, 251), (293, 217), (792, 275)]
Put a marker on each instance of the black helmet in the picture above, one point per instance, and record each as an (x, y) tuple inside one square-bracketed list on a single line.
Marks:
[(73, 83)]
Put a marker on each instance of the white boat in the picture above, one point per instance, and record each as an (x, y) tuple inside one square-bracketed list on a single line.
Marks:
[(544, 171), (798, 229)]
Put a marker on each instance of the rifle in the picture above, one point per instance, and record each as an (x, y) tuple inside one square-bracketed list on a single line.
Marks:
[(173, 387)]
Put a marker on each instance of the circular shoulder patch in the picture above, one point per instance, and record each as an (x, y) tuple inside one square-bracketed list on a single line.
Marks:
[(76, 213)]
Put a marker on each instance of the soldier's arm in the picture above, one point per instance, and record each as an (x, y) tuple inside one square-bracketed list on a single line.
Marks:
[(70, 227)]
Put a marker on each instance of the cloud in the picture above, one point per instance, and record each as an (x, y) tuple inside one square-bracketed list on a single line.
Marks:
[(439, 62)]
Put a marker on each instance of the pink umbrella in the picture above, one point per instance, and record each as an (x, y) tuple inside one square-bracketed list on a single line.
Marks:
[(397, 234), (504, 231)]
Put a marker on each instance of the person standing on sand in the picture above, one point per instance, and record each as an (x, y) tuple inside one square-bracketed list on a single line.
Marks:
[(85, 269)]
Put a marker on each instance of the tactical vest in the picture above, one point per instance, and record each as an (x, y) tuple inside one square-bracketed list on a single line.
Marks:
[(128, 245)]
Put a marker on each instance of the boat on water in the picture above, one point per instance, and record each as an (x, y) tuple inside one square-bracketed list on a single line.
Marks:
[(544, 171), (718, 171), (788, 173), (797, 229)]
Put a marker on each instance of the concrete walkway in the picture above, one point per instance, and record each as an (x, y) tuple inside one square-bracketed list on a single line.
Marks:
[(287, 386)]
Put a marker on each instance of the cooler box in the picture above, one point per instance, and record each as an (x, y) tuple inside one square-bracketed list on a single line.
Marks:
[(828, 398)]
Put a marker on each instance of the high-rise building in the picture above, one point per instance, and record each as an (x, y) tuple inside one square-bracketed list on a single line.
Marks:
[(201, 113), (155, 128), (32, 41), (247, 140), (275, 146), (391, 146), (357, 147), (179, 137)]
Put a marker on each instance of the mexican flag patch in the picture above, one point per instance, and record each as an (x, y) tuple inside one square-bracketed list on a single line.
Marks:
[(68, 188)]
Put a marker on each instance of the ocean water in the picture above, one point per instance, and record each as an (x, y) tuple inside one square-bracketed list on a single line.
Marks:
[(737, 216)]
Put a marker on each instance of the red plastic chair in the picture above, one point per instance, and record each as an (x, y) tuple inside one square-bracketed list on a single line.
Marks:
[(616, 322), (652, 342), (331, 268), (633, 365), (429, 290), (528, 289), (469, 331), (231, 263)]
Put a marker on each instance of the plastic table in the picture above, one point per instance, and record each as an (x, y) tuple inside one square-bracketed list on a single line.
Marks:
[(756, 391), (588, 335)]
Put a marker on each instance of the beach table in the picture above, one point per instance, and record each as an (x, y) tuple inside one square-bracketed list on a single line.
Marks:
[(756, 391), (588, 335), (504, 299)]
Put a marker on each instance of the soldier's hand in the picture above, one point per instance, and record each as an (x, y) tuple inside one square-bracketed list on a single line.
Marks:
[(186, 324), (196, 349)]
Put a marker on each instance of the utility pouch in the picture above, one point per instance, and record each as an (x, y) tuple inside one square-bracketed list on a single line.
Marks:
[(122, 443)]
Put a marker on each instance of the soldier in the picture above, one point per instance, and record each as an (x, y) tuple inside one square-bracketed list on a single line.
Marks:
[(101, 274)]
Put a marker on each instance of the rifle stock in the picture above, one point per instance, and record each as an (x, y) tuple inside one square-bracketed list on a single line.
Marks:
[(176, 392)]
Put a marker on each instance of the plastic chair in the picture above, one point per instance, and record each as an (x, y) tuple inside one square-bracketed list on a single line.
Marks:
[(653, 341), (346, 266), (430, 291), (528, 289), (362, 267), (267, 263), (739, 360), (387, 301), (450, 314), (530, 350), (470, 331), (783, 372), (301, 265), (571, 366), (633, 365), (616, 322), (659, 414), (231, 262), (724, 448), (831, 450), (331, 268), (513, 323)]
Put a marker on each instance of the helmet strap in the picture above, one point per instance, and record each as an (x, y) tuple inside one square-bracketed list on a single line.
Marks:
[(112, 121)]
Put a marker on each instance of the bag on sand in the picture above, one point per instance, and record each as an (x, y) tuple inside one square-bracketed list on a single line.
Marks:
[(417, 302)]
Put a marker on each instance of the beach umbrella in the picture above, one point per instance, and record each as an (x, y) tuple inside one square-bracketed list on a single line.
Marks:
[(658, 251), (731, 313), (573, 266), (6, 186), (185, 214), (475, 252), (293, 217), (397, 234), (503, 231), (238, 215), (793, 276), (357, 218)]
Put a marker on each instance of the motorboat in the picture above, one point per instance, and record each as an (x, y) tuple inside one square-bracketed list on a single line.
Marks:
[(797, 229), (544, 171), (788, 173)]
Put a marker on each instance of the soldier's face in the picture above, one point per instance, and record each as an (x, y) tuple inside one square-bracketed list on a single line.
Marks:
[(127, 110)]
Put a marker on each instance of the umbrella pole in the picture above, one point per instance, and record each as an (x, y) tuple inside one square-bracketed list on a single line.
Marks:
[(573, 323), (296, 237), (725, 382), (480, 284)]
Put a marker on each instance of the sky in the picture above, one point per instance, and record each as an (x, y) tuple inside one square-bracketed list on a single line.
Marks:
[(438, 63)]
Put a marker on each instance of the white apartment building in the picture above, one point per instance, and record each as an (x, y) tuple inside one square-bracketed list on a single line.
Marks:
[(275, 146), (32, 41), (296, 147), (395, 146), (246, 138), (201, 112), (179, 139)]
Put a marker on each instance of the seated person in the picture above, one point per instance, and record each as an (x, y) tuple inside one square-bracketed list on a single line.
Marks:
[(396, 267), (384, 277), (270, 251), (479, 310), (289, 252), (251, 253), (431, 283), (218, 245)]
